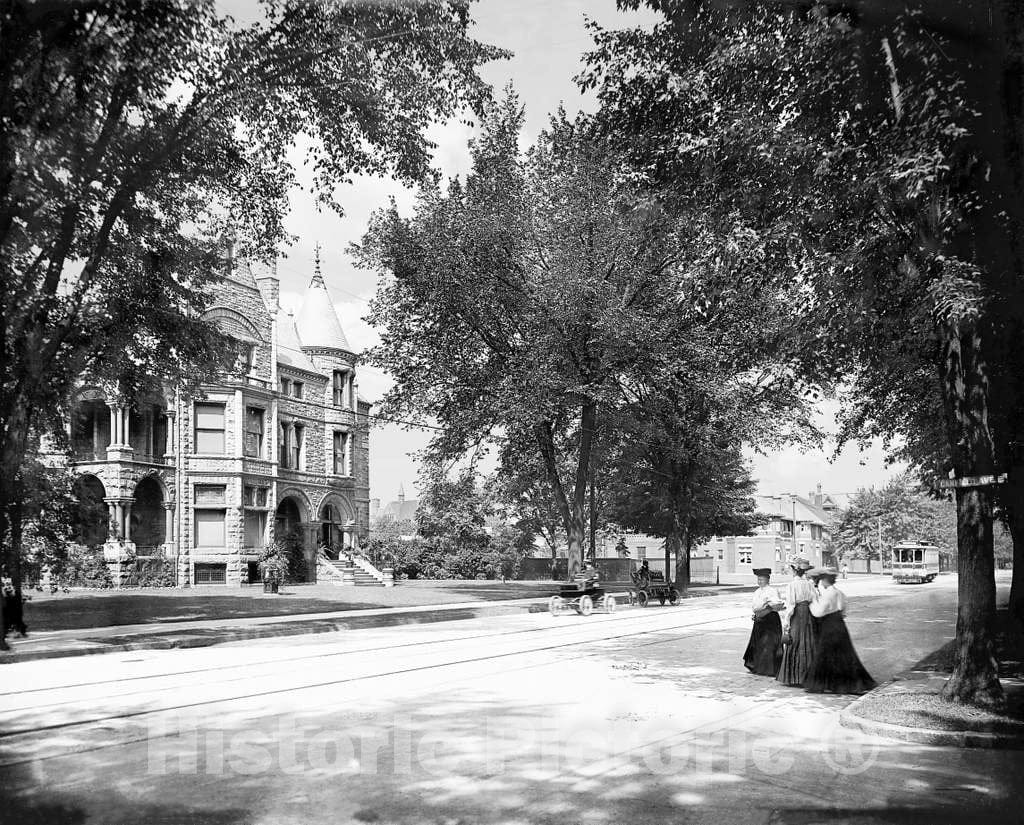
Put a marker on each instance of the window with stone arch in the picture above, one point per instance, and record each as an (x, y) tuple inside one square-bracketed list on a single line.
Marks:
[(332, 531)]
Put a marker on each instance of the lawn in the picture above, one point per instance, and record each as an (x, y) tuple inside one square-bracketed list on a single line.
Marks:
[(106, 608)]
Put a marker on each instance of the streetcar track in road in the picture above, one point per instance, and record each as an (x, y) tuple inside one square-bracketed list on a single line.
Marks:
[(685, 733), (8, 734), (614, 618)]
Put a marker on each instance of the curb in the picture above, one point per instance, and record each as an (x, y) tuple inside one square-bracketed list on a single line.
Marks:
[(295, 627), (927, 736)]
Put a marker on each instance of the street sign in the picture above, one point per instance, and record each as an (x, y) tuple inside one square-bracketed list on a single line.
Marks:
[(972, 481)]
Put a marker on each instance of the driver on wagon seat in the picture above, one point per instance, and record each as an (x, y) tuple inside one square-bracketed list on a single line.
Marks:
[(588, 575)]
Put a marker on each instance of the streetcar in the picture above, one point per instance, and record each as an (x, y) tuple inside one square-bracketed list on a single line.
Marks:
[(914, 562)]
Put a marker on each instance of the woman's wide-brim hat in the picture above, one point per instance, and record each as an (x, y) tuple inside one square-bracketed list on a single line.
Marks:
[(800, 563), (762, 571), (818, 572)]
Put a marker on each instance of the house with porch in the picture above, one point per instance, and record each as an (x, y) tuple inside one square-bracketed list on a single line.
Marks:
[(279, 448)]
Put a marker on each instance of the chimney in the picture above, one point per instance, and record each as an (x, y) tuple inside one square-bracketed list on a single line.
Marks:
[(819, 498), (269, 285)]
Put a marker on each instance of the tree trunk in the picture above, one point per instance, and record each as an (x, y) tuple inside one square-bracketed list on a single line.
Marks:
[(677, 540), (593, 517), (975, 677), (671, 549), (1016, 606), (1013, 505), (571, 509), (576, 535), (4, 542), (687, 553)]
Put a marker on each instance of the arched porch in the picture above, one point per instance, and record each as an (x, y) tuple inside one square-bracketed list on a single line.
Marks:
[(292, 528), (337, 525)]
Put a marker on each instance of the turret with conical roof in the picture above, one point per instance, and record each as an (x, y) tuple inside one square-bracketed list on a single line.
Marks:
[(318, 324)]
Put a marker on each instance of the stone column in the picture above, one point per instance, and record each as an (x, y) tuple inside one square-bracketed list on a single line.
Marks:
[(169, 523), (112, 528), (126, 426), (239, 430), (128, 521), (169, 435), (272, 444), (355, 393), (115, 429), (119, 511), (150, 424)]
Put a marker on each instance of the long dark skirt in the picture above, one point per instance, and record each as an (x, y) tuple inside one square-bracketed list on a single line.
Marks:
[(796, 657), (764, 650), (836, 668)]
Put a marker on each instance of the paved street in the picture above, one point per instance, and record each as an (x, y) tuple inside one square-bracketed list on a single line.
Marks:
[(639, 716)]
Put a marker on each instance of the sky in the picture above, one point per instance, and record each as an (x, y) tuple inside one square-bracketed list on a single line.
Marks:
[(547, 40)]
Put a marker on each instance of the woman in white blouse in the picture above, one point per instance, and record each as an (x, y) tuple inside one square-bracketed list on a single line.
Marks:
[(797, 626), (835, 666), (764, 650)]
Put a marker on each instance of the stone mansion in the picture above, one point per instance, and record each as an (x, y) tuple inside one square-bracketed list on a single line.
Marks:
[(279, 449)]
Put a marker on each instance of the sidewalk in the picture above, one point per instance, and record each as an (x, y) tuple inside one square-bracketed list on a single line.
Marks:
[(908, 706), (165, 634)]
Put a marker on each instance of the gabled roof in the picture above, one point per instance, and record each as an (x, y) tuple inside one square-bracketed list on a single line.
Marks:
[(782, 507), (240, 271), (318, 324), (400, 510)]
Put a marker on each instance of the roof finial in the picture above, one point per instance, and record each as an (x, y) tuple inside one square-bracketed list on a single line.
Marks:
[(317, 275)]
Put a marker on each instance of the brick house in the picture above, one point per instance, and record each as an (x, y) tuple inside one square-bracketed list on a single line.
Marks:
[(279, 448), (769, 545), (796, 526)]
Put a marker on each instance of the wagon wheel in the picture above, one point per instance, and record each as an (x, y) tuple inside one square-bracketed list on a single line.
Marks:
[(642, 598), (673, 596), (608, 603), (586, 605), (555, 604)]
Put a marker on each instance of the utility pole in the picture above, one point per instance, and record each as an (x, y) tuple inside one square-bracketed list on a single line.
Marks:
[(795, 554), (881, 564)]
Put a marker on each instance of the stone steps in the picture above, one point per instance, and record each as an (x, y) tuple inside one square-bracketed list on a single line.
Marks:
[(351, 575)]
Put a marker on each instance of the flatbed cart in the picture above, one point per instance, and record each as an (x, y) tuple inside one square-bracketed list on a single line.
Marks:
[(583, 596), (652, 586)]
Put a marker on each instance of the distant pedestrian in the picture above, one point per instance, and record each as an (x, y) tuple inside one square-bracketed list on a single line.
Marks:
[(763, 655), (797, 626), (845, 569), (835, 666)]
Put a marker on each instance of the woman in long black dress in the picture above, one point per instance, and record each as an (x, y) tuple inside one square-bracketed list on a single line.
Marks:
[(835, 666), (797, 622), (764, 650)]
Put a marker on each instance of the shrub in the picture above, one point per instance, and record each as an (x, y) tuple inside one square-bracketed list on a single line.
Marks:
[(85, 567)]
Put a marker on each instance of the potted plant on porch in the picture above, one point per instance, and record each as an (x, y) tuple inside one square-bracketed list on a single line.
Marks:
[(273, 567)]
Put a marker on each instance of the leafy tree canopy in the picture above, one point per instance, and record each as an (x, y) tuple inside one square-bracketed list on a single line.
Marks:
[(899, 511)]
